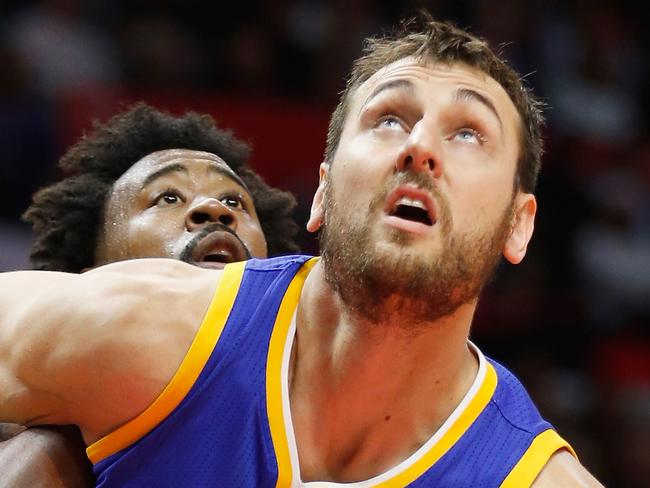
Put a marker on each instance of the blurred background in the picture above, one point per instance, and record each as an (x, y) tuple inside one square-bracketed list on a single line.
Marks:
[(572, 320)]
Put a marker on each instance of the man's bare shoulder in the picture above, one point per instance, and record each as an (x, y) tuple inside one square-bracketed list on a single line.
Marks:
[(96, 349), (146, 290), (565, 471), (144, 294), (148, 313)]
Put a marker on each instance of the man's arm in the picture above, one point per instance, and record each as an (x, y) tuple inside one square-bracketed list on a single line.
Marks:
[(95, 349), (52, 457), (565, 471)]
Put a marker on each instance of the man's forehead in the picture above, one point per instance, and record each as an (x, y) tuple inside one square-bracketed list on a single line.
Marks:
[(167, 156), (170, 160), (454, 74), (453, 80)]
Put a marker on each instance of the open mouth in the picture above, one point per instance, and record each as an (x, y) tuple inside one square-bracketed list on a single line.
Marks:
[(411, 204), (413, 210), (218, 249), (217, 258)]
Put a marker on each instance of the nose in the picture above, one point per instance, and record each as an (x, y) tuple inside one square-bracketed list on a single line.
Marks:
[(421, 152), (205, 211)]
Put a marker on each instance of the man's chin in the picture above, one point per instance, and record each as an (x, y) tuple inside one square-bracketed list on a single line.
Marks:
[(400, 248)]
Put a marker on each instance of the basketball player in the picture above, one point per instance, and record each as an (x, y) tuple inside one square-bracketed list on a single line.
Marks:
[(205, 215), (354, 368)]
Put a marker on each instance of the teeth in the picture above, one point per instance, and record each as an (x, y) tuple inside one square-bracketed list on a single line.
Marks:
[(411, 203)]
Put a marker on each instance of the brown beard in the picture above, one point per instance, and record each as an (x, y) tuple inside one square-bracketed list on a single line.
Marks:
[(407, 289)]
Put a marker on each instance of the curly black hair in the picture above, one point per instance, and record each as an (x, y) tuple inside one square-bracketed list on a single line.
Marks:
[(66, 216)]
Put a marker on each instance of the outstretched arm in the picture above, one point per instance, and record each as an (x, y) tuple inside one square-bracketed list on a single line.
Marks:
[(52, 457), (95, 349)]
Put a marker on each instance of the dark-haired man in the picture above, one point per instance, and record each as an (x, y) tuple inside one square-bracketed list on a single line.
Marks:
[(136, 190), (352, 369), (74, 218)]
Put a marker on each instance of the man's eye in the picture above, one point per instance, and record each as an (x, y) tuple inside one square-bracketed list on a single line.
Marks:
[(389, 122), (169, 197), (470, 136), (233, 202)]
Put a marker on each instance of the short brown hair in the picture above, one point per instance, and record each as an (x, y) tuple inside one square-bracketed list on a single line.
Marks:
[(442, 42)]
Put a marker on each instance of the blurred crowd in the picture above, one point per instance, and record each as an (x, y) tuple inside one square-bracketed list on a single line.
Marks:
[(572, 321)]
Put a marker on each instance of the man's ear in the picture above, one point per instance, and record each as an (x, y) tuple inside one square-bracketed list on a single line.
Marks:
[(521, 230), (318, 204)]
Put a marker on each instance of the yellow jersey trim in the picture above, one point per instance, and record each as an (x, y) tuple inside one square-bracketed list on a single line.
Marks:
[(274, 406), (535, 458), (193, 363)]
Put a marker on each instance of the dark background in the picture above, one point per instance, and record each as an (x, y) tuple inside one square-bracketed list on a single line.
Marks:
[(571, 321)]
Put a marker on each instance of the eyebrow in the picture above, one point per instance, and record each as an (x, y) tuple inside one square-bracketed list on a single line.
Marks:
[(461, 94), (467, 94), (402, 84), (178, 167)]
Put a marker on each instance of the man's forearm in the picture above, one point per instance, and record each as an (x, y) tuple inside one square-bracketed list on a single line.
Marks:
[(52, 457)]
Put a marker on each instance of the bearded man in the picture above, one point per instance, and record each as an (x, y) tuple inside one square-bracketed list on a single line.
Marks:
[(355, 368)]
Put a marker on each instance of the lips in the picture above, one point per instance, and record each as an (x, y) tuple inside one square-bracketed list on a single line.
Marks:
[(217, 249), (410, 205)]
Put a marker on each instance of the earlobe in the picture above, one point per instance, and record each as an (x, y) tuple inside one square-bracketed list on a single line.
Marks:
[(523, 223), (318, 204)]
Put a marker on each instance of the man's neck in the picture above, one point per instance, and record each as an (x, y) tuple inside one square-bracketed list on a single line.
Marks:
[(364, 396)]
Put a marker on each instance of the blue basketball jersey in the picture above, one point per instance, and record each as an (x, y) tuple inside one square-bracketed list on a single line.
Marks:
[(224, 419)]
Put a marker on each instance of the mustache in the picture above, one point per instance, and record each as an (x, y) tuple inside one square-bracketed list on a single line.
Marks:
[(420, 180), (186, 254)]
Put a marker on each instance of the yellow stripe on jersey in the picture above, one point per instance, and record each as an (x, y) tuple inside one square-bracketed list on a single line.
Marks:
[(451, 436), (535, 458), (197, 355), (274, 378)]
